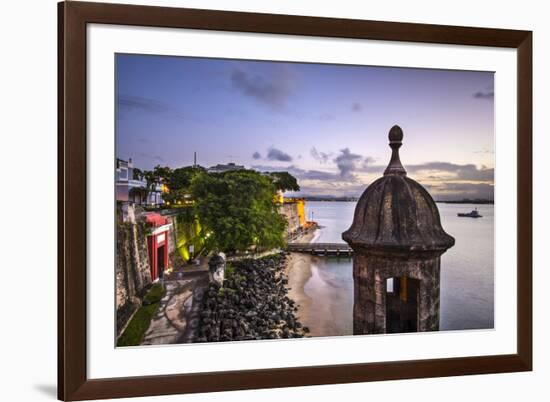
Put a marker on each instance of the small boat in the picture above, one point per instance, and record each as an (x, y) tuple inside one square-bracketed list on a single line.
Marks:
[(473, 214)]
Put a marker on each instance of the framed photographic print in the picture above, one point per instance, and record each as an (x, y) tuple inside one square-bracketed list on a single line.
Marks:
[(253, 200)]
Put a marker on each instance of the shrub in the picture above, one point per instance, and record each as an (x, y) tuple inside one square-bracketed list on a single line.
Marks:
[(134, 332)]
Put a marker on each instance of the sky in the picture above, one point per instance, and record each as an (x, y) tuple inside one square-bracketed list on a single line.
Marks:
[(326, 124)]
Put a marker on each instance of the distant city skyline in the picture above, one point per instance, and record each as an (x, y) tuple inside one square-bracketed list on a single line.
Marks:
[(325, 124)]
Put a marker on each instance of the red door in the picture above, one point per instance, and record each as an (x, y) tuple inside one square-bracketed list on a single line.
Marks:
[(158, 254)]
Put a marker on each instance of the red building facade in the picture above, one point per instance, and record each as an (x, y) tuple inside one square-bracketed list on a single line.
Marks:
[(157, 245)]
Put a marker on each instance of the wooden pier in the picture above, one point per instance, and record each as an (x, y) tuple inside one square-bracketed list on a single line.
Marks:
[(336, 249)]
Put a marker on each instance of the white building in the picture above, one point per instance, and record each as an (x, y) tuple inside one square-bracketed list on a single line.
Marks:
[(130, 188)]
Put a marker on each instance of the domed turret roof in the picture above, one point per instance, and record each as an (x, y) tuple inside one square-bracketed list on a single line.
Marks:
[(396, 212)]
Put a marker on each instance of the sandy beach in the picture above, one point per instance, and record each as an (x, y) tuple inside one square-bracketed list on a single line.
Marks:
[(307, 237), (320, 307), (299, 272)]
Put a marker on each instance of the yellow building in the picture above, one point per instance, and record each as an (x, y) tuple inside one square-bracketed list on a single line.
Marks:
[(301, 206), (293, 210)]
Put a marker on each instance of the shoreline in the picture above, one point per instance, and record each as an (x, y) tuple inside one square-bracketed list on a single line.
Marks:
[(315, 292), (298, 272), (308, 236), (317, 295)]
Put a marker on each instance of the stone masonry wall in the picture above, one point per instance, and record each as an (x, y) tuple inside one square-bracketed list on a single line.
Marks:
[(370, 273), (290, 212), (133, 273)]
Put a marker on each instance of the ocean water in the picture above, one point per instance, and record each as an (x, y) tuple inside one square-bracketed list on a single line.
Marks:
[(467, 271)]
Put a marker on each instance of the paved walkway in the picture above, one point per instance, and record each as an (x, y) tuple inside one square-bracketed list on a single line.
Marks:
[(177, 318)]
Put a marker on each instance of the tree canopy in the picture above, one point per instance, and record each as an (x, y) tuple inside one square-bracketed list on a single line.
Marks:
[(163, 173), (236, 210), (180, 182), (284, 181), (152, 177)]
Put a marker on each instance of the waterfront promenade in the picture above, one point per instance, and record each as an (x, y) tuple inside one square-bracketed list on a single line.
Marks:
[(321, 248)]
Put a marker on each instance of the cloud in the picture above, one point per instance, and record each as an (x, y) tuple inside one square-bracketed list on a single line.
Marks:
[(456, 191), (367, 162), (356, 107), (444, 180), (333, 189), (272, 91), (143, 104), (346, 162), (256, 155), (318, 175), (140, 104), (445, 171), (321, 157), (299, 173), (488, 94), (468, 172), (339, 179), (274, 154)]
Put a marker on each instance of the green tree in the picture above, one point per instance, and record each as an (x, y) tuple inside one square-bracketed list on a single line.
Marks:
[(138, 174), (181, 178), (151, 178), (284, 181), (237, 211), (163, 173), (179, 183)]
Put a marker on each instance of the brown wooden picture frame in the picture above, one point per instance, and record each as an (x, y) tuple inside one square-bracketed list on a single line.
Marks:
[(73, 382)]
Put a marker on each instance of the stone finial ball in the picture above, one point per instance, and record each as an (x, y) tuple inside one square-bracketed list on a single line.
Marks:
[(396, 134)]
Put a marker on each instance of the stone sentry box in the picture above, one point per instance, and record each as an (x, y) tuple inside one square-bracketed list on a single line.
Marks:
[(397, 240)]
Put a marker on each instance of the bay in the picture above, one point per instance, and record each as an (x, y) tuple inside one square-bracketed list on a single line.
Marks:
[(467, 270)]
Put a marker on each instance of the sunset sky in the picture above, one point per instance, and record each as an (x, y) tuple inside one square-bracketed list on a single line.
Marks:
[(325, 124)]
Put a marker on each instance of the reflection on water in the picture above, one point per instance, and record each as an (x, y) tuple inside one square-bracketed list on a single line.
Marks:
[(329, 282), (467, 273)]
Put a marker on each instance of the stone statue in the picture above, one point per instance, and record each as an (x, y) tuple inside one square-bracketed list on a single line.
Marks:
[(216, 266)]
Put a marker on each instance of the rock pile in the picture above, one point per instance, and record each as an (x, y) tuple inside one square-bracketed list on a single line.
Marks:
[(252, 304)]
